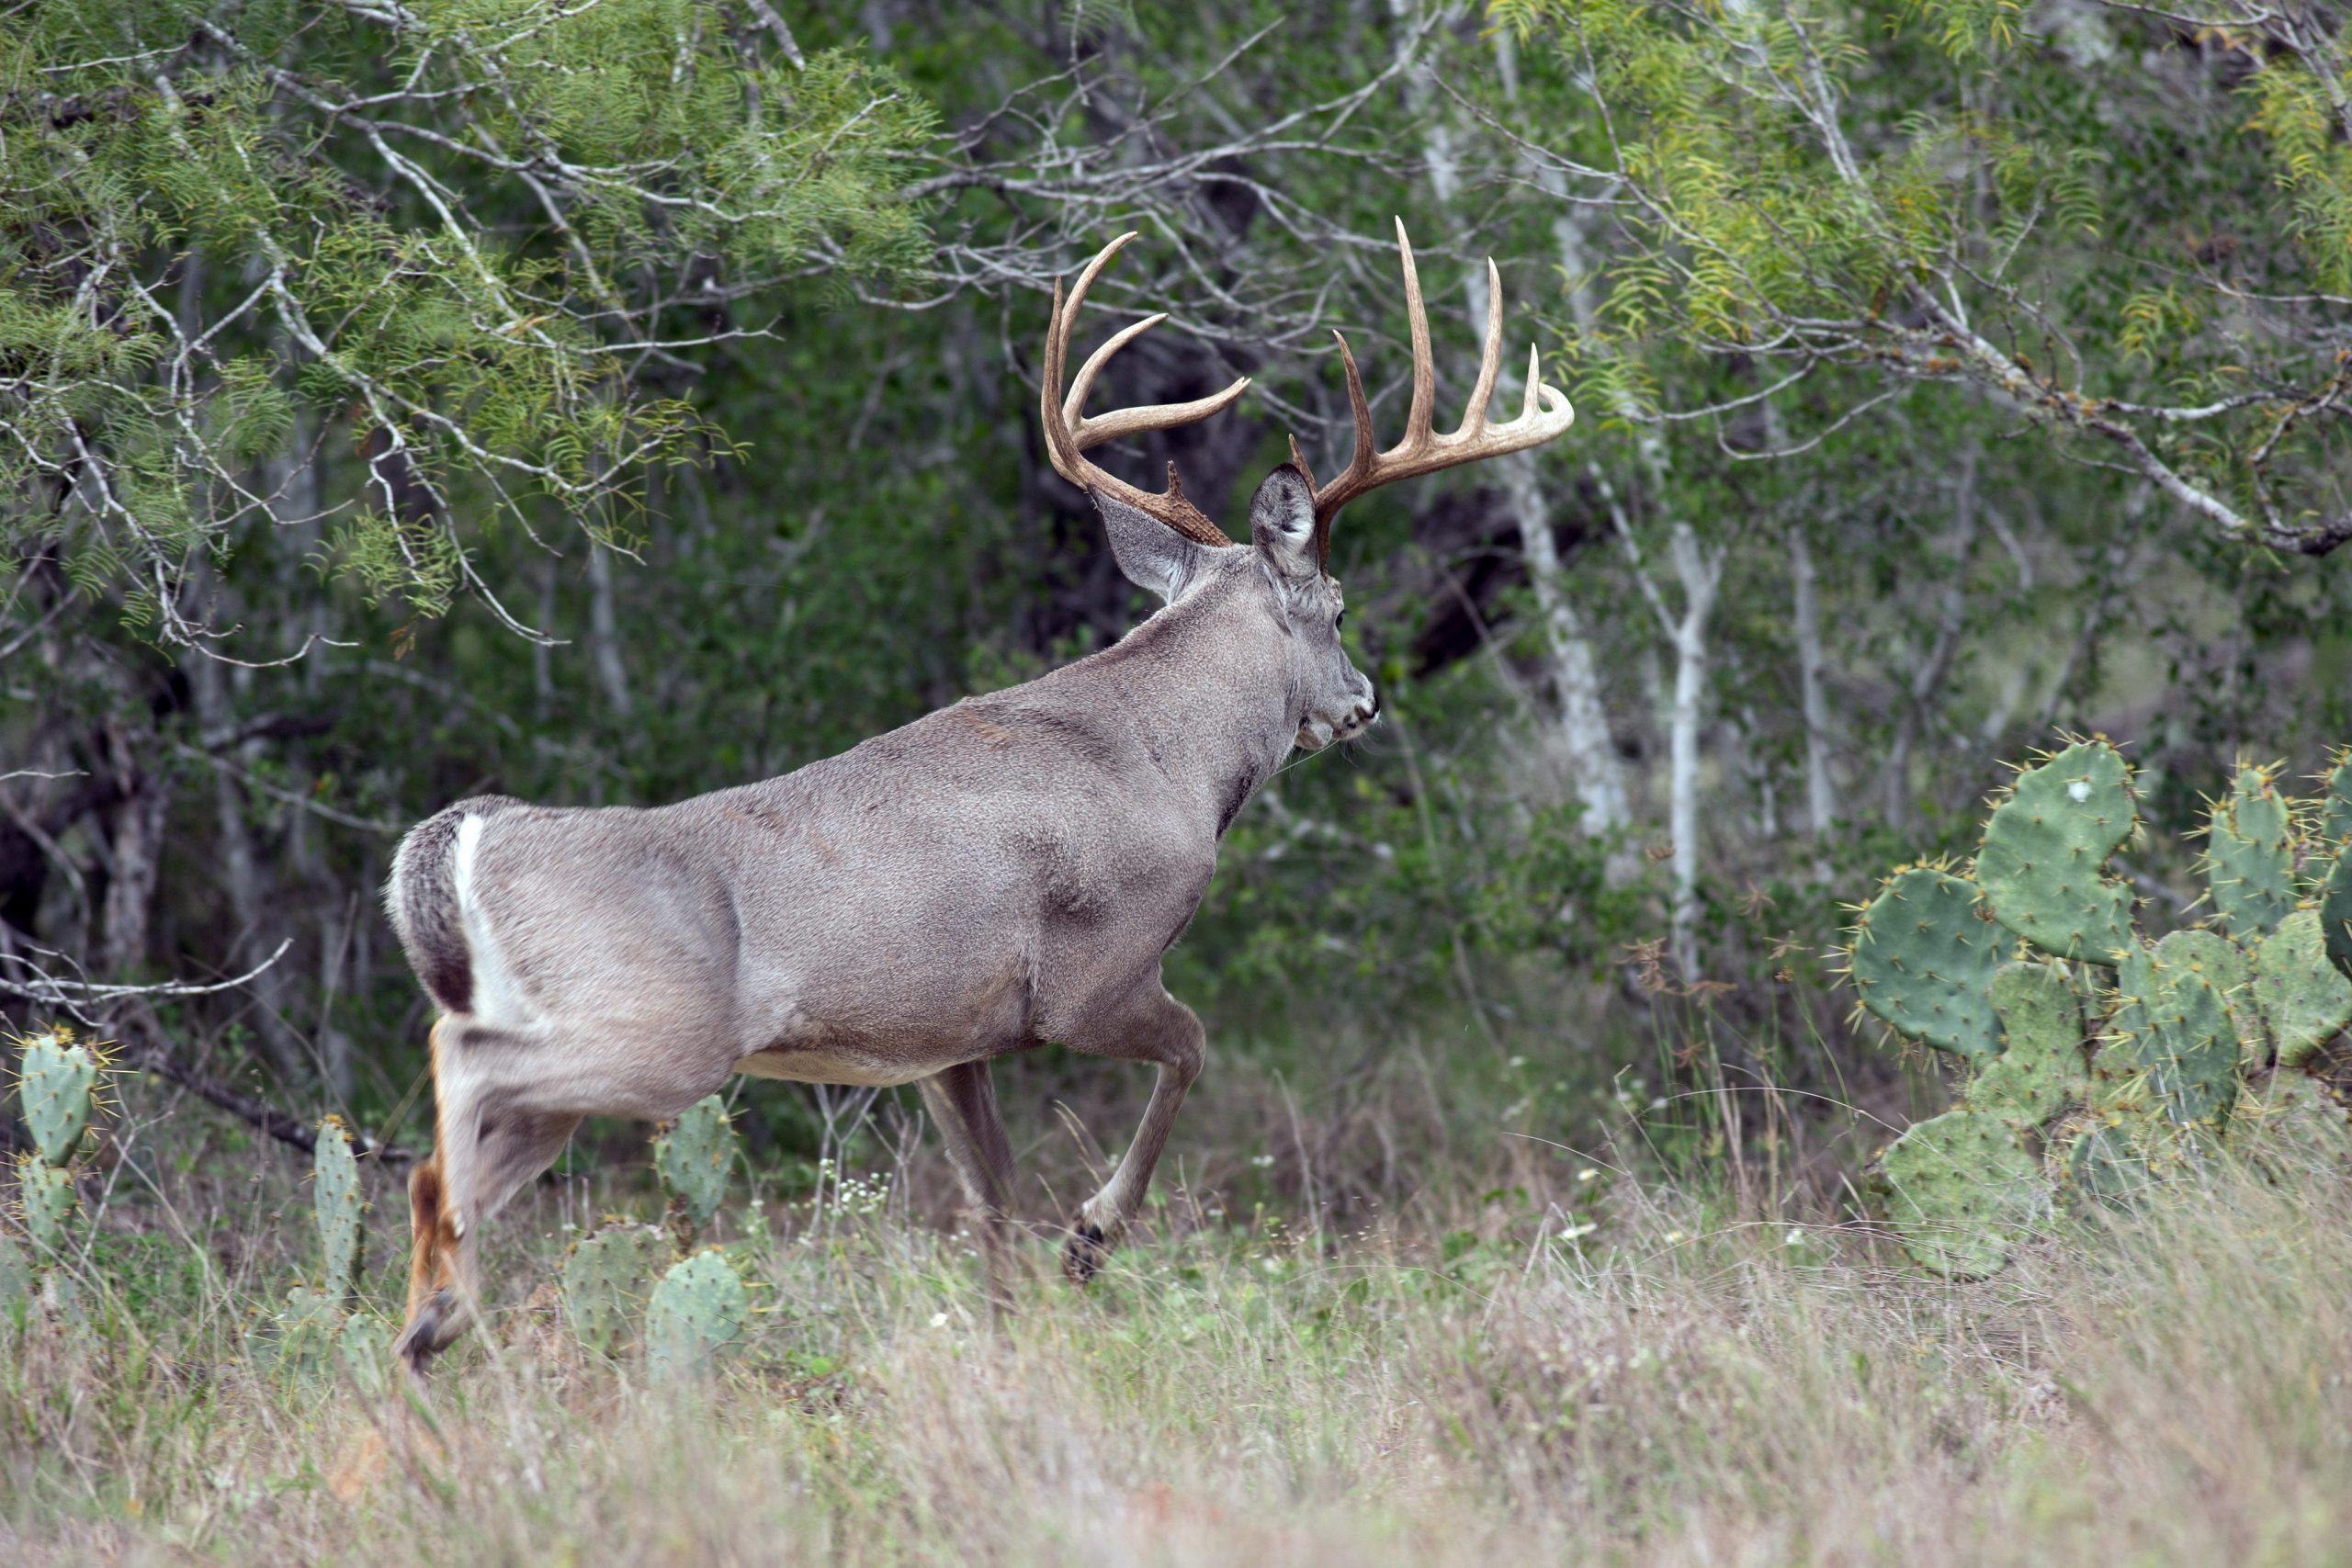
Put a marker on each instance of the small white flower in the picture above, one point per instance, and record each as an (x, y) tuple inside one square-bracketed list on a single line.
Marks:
[(939, 1320), (1586, 1174), (1672, 1238), (1795, 1238), (1261, 1161), (1570, 1233)]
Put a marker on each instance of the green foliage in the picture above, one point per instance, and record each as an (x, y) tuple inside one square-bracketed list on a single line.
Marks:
[(464, 276), (693, 1157), (699, 1309), (2043, 861)]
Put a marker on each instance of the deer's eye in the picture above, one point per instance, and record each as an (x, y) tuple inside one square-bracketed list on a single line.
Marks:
[(1339, 620)]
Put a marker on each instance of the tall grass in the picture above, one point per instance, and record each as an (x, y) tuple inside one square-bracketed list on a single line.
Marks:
[(1689, 1380)]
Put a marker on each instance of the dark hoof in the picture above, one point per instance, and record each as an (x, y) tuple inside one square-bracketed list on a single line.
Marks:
[(1084, 1252), (435, 1324)]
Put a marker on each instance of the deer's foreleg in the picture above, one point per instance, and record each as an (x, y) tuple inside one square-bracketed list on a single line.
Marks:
[(1158, 1029)]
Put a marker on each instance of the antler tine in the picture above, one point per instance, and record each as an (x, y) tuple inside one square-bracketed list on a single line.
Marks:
[(1544, 414), (1417, 422), (1490, 356), (1069, 433)]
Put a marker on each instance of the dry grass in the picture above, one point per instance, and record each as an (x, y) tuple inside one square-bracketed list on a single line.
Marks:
[(1677, 1385)]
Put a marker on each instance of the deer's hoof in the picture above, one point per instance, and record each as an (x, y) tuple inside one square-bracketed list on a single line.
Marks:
[(435, 1324), (1084, 1253)]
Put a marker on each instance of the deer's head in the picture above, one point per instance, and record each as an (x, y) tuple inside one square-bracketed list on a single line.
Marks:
[(1167, 545)]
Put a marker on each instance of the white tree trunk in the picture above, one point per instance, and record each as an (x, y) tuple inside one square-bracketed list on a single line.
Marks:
[(603, 639), (1820, 788), (1700, 571)]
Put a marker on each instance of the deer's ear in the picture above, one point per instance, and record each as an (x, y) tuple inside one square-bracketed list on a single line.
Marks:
[(1281, 522), (1152, 555)]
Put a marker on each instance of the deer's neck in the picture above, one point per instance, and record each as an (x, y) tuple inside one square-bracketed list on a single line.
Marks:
[(1205, 685)]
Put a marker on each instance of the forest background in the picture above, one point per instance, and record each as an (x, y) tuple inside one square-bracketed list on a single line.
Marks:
[(604, 404)]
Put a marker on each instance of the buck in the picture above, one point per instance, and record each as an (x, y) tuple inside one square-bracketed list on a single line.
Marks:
[(997, 875)]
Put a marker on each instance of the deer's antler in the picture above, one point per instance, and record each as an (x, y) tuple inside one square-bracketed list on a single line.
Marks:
[(1069, 433), (1546, 414)]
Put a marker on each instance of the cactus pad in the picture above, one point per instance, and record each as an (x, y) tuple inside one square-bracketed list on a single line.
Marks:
[(335, 1200), (2336, 808), (2250, 856), (2041, 1067), (694, 1155), (1960, 1189), (2303, 998), (15, 1279), (1922, 959), (2042, 864), (2109, 1159), (604, 1282), (2189, 1048), (698, 1308), (55, 1081), (2335, 913), (48, 1195)]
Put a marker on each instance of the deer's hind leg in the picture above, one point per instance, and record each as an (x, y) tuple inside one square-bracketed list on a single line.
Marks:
[(489, 1141), (961, 1102)]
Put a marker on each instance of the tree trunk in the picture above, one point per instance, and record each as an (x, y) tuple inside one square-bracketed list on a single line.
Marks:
[(1700, 571), (1820, 788)]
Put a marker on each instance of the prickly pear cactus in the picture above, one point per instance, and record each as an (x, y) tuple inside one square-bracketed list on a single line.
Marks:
[(2041, 1069), (1923, 957), (699, 1309), (50, 1201), (335, 1202), (56, 1081), (2302, 997), (693, 1159), (605, 1284), (2250, 855), (2149, 1057), (2042, 864), (1960, 1189)]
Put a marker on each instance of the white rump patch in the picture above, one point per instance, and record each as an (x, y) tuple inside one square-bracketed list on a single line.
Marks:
[(497, 999)]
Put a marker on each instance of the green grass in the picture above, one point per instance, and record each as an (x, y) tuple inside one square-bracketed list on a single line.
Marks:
[(1686, 1382)]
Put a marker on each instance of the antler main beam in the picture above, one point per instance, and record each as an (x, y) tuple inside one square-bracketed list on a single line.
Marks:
[(1544, 414), (1070, 433)]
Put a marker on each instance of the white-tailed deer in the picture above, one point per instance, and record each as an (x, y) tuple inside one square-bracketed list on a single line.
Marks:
[(997, 875)]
